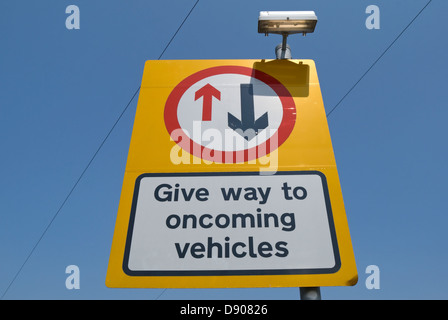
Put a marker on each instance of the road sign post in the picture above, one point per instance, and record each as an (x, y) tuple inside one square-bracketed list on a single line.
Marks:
[(310, 293), (231, 181)]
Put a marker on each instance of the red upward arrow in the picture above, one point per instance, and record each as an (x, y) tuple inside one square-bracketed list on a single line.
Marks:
[(208, 92)]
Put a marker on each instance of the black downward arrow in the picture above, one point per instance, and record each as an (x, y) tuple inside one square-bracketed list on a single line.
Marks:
[(247, 127)]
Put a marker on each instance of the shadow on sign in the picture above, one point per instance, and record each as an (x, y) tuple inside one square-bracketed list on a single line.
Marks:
[(293, 75)]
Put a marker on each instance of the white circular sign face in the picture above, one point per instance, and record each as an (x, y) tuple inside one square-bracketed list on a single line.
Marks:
[(223, 112)]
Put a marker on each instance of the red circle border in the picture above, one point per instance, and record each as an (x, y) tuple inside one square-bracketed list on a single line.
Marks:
[(283, 132)]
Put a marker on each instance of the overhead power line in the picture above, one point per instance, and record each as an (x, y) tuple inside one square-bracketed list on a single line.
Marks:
[(91, 160), (378, 59)]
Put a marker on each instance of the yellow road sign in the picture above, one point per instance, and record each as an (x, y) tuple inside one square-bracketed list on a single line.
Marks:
[(231, 181)]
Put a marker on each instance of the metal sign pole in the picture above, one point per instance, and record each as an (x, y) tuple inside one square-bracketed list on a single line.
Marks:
[(310, 293), (283, 51)]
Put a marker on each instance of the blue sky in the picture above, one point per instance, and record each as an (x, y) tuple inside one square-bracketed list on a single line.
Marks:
[(62, 90)]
